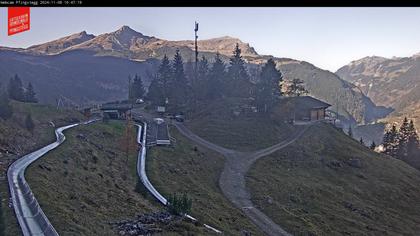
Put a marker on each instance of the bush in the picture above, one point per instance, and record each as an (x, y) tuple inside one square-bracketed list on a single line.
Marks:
[(179, 205)]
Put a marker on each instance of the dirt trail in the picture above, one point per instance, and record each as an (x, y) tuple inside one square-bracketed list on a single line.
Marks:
[(232, 179)]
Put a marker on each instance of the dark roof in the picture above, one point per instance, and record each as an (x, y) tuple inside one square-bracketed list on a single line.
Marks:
[(117, 106), (308, 102)]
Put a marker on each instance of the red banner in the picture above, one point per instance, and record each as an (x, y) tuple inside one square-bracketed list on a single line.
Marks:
[(18, 20)]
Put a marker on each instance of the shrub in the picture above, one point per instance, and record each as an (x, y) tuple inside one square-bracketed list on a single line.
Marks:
[(179, 205)]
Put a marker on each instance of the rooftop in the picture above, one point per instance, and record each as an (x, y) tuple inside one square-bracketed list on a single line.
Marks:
[(117, 106), (308, 102)]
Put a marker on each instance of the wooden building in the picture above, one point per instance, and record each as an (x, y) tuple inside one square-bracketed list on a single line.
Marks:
[(116, 110), (307, 108)]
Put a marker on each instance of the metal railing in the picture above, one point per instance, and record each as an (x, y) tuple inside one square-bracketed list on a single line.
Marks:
[(141, 172), (31, 218)]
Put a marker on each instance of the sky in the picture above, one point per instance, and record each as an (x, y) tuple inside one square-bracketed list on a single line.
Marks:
[(326, 37)]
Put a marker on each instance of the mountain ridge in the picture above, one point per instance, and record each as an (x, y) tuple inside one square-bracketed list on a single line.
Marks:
[(126, 43), (392, 82)]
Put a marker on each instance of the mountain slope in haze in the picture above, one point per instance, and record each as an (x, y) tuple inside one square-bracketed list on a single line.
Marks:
[(391, 82), (77, 77), (346, 98), (85, 68)]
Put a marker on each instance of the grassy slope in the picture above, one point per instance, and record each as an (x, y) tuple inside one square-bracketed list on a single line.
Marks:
[(298, 190), (16, 139), (217, 124), (90, 179), (182, 169), (14, 136)]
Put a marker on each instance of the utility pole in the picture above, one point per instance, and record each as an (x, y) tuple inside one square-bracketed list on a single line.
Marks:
[(196, 47), (194, 82)]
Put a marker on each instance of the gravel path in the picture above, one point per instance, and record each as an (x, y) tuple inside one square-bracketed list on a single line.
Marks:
[(232, 179)]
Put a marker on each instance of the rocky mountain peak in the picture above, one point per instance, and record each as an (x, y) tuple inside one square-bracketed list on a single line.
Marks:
[(58, 45)]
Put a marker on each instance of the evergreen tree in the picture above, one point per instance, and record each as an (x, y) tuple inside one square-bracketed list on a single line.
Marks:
[(268, 87), (403, 136), (29, 123), (216, 77), (295, 88), (350, 132), (203, 69), (361, 141), (6, 110), (390, 142), (180, 85), (136, 88), (413, 148), (190, 71), (30, 94), (239, 78), (237, 69), (372, 145), (15, 89), (160, 87), (202, 84), (155, 93)]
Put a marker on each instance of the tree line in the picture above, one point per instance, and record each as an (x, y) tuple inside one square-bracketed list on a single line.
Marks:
[(402, 143), (173, 86), (16, 91)]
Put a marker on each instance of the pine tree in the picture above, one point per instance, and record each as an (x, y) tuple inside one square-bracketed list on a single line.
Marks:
[(390, 141), (15, 89), (413, 141), (160, 87), (268, 87), (155, 93), (29, 123), (201, 86), (394, 141), (350, 132), (239, 78), (217, 75), (403, 136), (203, 69), (295, 88), (180, 86), (190, 71), (30, 94), (136, 88), (237, 69), (372, 145)]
